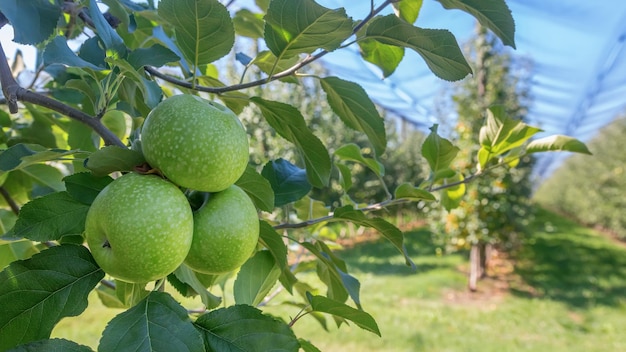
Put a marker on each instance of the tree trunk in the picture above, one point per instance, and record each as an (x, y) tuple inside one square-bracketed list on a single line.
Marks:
[(474, 272)]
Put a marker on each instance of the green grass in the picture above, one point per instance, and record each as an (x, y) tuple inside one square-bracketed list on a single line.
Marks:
[(570, 295)]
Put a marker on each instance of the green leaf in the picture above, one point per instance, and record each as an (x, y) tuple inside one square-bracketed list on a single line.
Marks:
[(359, 317), (268, 63), (57, 52), (451, 196), (158, 323), (155, 55), (256, 278), (91, 51), (386, 57), (408, 10), (333, 273), (112, 41), (289, 123), (437, 47), (52, 345), (309, 208), (270, 239), (307, 346), (36, 293), (258, 189), (22, 155), (288, 181), (407, 190), (352, 104), (352, 152), (303, 26), (346, 176), (493, 14), (113, 158), (130, 294), (557, 143), (187, 276), (11, 251), (389, 231), (204, 31), (108, 297), (51, 217), (501, 134), (248, 24), (33, 21), (84, 186), (245, 328), (439, 152), (45, 175)]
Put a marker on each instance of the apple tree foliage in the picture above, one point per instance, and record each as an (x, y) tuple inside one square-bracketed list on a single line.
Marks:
[(72, 126)]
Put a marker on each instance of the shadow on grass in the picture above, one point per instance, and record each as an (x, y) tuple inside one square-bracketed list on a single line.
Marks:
[(380, 257), (565, 262)]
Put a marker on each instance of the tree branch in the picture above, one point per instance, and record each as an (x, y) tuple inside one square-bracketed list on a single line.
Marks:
[(14, 93), (381, 205), (288, 72)]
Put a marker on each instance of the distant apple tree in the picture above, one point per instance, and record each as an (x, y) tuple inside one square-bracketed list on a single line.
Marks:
[(73, 125)]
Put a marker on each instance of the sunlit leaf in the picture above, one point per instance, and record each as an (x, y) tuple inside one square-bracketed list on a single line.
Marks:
[(557, 143), (302, 26), (452, 196), (204, 31), (386, 57), (408, 10)]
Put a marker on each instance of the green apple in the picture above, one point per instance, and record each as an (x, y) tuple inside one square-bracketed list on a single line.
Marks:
[(225, 232), (139, 228), (195, 143)]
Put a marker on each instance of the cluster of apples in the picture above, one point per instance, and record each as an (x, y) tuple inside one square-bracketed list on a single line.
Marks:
[(141, 227)]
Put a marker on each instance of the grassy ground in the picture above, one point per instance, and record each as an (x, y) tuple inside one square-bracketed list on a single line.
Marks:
[(567, 292)]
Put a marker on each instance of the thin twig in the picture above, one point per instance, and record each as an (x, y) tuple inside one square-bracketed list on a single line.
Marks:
[(10, 201)]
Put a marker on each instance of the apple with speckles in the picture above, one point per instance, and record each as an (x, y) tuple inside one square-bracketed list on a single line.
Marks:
[(225, 234), (139, 228), (195, 143)]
